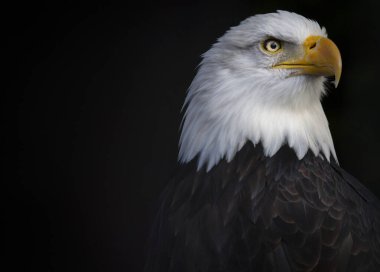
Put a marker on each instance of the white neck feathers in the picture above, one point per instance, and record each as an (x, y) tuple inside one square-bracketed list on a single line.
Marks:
[(224, 111)]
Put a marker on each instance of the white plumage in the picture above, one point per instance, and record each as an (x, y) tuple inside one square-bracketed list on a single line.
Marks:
[(237, 96)]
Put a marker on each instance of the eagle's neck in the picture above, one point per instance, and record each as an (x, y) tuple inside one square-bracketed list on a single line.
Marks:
[(217, 124)]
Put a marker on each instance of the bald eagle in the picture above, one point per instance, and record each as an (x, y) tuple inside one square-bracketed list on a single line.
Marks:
[(259, 186)]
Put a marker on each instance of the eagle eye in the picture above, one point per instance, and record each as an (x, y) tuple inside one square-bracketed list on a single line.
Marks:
[(271, 45)]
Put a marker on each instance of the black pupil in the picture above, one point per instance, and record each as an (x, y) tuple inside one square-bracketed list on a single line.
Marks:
[(273, 45)]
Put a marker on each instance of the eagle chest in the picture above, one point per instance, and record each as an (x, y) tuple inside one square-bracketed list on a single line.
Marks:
[(256, 211)]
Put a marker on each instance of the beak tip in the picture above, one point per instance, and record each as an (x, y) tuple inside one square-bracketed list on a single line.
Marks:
[(336, 80)]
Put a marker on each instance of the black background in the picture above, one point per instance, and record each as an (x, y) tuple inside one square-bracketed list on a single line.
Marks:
[(91, 113)]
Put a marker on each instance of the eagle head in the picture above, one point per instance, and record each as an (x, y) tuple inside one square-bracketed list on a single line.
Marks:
[(262, 81)]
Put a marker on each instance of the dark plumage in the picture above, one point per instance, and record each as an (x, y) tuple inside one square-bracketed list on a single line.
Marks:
[(260, 213)]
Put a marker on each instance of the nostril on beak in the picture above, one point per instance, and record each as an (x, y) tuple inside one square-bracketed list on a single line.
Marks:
[(314, 44)]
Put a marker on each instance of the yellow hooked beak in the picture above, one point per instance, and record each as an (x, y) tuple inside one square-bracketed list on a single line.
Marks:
[(321, 58)]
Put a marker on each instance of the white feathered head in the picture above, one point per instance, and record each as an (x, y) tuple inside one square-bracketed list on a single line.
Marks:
[(261, 82)]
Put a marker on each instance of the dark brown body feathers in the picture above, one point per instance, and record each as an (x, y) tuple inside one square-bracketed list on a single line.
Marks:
[(260, 213)]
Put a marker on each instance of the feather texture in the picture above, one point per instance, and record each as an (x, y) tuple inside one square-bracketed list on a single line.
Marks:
[(236, 95), (259, 213)]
